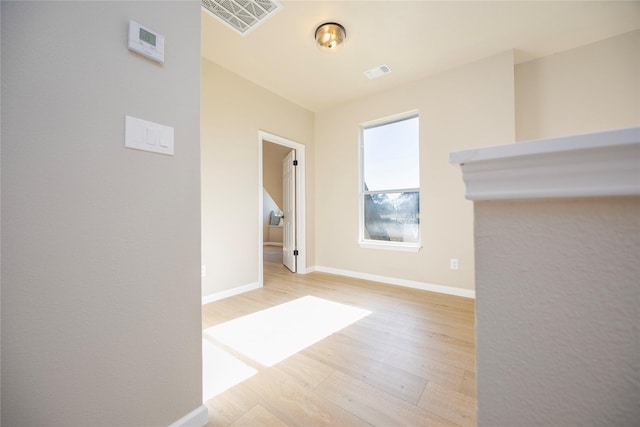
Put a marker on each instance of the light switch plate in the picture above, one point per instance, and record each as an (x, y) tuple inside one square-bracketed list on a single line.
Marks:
[(148, 136)]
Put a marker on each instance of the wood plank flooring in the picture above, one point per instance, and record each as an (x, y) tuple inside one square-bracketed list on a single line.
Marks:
[(409, 363)]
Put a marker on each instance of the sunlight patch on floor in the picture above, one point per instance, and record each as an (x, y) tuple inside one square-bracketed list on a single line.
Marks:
[(270, 336), (221, 370)]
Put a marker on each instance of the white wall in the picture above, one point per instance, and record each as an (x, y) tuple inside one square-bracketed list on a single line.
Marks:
[(557, 312), (590, 88), (233, 111), (470, 106), (100, 244)]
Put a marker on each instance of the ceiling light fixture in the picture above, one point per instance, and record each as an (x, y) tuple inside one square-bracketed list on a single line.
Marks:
[(329, 36)]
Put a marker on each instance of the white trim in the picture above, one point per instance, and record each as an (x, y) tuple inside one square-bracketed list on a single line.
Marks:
[(272, 244), (449, 290), (586, 165), (391, 119), (196, 418), (230, 292), (391, 246), (301, 228)]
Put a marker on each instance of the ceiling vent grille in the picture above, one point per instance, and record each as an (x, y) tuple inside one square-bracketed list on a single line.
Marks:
[(378, 71), (242, 15)]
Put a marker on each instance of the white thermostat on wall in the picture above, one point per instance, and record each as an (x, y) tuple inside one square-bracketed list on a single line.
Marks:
[(146, 42)]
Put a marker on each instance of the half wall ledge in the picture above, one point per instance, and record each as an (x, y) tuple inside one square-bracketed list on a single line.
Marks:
[(597, 164)]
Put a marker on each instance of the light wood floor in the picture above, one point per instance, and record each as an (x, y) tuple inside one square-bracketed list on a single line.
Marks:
[(409, 363)]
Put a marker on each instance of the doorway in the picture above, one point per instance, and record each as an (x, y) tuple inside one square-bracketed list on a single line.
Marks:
[(297, 234)]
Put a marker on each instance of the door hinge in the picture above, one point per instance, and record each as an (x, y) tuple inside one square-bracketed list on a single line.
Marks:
[(295, 252), (295, 163)]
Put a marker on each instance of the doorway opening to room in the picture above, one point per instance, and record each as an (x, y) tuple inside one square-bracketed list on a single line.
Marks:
[(281, 209)]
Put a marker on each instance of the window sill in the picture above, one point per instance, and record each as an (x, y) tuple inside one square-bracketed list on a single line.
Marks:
[(391, 246)]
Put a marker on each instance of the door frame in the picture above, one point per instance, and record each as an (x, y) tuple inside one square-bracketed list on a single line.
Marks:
[(301, 233)]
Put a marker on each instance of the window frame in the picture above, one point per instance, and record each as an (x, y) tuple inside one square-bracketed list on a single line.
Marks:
[(382, 244)]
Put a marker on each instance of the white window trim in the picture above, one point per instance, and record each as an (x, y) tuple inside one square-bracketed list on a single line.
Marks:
[(391, 246), (370, 243)]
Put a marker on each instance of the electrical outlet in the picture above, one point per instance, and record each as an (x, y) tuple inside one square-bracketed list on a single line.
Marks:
[(453, 263), (203, 271)]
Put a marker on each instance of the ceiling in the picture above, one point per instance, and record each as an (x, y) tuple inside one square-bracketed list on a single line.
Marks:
[(414, 38)]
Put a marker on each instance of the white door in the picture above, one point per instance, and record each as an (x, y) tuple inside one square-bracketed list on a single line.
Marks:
[(289, 208)]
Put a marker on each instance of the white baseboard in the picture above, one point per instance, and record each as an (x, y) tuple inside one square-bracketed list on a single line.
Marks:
[(449, 290), (196, 418), (230, 292), (272, 243)]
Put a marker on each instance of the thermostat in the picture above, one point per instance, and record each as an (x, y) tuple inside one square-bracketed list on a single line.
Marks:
[(146, 42)]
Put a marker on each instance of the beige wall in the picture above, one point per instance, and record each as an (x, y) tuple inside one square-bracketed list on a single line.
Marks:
[(590, 88), (466, 107), (268, 205), (272, 155), (557, 312), (100, 244), (486, 103), (233, 111)]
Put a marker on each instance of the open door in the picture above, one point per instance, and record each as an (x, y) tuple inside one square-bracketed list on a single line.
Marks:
[(289, 251), (294, 189)]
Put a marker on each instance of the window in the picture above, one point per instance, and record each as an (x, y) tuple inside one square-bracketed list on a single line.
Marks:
[(390, 184)]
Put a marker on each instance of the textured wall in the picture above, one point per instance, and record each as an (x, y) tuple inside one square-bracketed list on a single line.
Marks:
[(558, 312), (100, 244)]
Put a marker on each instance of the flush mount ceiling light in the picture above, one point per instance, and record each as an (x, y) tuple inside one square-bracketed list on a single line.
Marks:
[(330, 35)]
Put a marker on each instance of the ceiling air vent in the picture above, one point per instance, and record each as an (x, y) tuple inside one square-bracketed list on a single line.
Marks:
[(378, 71), (242, 15)]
